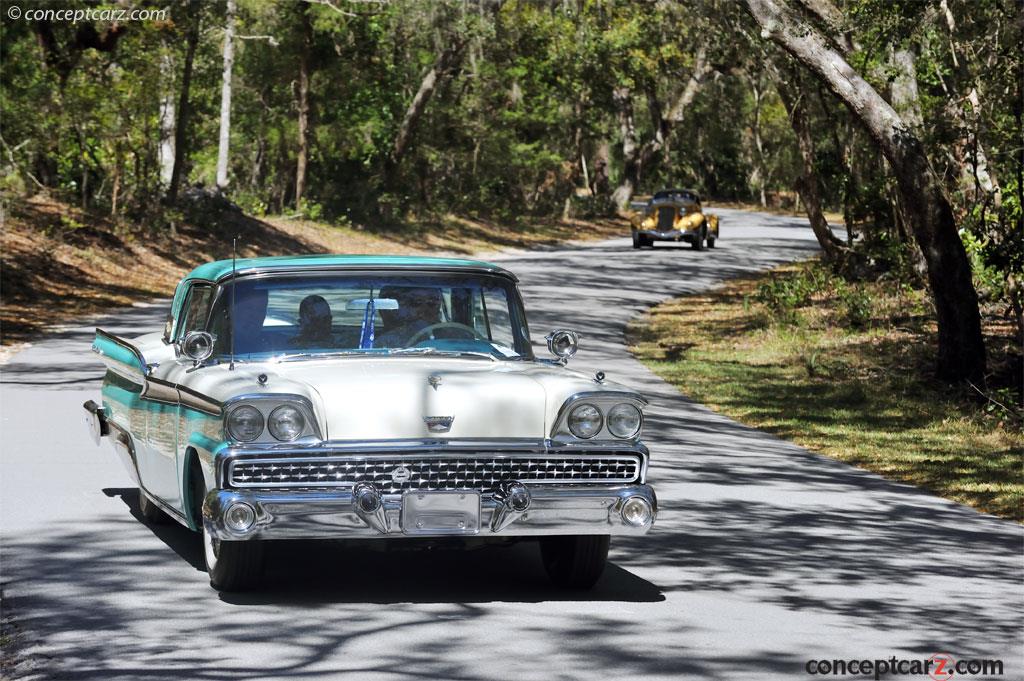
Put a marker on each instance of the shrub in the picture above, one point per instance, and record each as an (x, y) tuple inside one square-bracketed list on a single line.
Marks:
[(856, 304), (783, 295)]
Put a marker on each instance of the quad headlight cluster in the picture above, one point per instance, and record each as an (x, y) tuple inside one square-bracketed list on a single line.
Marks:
[(246, 423), (586, 420)]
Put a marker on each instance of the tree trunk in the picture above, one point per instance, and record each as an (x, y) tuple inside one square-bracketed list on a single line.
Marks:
[(600, 182), (759, 178), (181, 128), (961, 348), (903, 89), (446, 65), (635, 158), (807, 187), (225, 97), (165, 152), (981, 175), (302, 156), (623, 98)]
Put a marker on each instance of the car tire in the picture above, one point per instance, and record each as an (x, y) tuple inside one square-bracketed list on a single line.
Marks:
[(150, 511), (711, 242), (575, 562), (636, 240), (698, 243), (231, 565)]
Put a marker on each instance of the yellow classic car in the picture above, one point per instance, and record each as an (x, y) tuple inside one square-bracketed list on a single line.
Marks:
[(674, 215)]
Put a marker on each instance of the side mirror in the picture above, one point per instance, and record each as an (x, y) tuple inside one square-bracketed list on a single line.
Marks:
[(168, 326), (197, 346), (563, 344)]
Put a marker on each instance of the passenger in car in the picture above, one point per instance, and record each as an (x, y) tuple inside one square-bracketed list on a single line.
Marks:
[(314, 323), (418, 308)]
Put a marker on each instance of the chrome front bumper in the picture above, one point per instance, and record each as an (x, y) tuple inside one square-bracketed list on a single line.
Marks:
[(670, 235), (335, 513)]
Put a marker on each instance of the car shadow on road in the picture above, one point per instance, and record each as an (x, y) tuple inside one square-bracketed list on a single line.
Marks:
[(371, 571)]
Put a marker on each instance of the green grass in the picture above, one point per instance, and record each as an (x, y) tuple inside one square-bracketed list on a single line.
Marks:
[(862, 394)]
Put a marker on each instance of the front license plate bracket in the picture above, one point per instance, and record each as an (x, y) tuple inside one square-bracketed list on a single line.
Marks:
[(441, 513)]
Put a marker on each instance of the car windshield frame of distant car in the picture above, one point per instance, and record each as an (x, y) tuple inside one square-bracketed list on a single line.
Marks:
[(372, 313)]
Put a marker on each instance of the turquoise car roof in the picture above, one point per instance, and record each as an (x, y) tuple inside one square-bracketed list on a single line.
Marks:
[(222, 269)]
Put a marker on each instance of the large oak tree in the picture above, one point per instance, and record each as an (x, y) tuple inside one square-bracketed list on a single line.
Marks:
[(961, 349)]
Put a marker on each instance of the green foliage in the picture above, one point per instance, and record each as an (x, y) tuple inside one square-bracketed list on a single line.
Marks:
[(783, 294), (527, 123), (855, 302)]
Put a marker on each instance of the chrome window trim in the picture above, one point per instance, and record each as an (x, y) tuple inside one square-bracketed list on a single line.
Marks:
[(193, 284), (517, 308)]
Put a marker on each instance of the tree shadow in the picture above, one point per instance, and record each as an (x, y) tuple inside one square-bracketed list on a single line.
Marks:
[(763, 554)]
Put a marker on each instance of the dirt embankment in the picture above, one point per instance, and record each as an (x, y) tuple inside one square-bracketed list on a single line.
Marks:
[(58, 263)]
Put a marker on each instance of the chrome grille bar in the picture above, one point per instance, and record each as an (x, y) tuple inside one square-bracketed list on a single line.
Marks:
[(483, 472)]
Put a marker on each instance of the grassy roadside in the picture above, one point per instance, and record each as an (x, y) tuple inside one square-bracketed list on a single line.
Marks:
[(58, 264), (844, 370)]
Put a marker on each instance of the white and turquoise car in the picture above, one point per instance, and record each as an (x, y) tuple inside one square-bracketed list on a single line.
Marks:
[(362, 397)]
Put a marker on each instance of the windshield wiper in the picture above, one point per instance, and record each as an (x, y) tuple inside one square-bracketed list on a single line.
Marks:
[(435, 351), (314, 355)]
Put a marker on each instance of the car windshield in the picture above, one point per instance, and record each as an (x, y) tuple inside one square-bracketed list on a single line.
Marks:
[(676, 195), (298, 316)]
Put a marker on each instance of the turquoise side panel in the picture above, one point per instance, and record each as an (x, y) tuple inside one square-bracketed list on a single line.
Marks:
[(116, 351), (205, 436), (201, 441)]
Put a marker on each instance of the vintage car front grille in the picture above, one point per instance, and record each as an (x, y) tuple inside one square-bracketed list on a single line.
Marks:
[(477, 472), (666, 218)]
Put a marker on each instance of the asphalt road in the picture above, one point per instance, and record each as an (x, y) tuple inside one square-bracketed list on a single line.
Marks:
[(764, 556)]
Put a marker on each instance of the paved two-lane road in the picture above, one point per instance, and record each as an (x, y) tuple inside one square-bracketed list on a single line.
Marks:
[(764, 556)]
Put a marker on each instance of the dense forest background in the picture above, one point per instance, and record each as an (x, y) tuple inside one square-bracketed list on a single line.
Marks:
[(902, 117)]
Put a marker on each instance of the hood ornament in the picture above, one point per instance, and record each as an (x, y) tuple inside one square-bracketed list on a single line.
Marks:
[(434, 380), (438, 424)]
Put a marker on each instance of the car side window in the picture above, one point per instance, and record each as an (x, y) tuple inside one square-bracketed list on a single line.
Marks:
[(499, 324), (197, 308)]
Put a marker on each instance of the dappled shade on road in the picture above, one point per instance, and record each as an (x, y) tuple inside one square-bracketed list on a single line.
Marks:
[(763, 555)]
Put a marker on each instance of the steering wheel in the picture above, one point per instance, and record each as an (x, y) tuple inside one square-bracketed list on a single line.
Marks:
[(429, 331)]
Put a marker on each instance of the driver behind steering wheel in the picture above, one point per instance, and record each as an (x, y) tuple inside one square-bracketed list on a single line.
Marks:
[(418, 308)]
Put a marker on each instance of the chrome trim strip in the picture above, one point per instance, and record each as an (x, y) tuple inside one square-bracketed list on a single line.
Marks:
[(159, 390), (196, 400)]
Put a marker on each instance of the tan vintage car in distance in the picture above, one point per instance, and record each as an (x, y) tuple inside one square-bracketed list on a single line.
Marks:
[(674, 215)]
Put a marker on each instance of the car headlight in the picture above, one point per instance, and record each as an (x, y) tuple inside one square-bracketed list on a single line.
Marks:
[(286, 422), (585, 421), (624, 420), (245, 423)]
